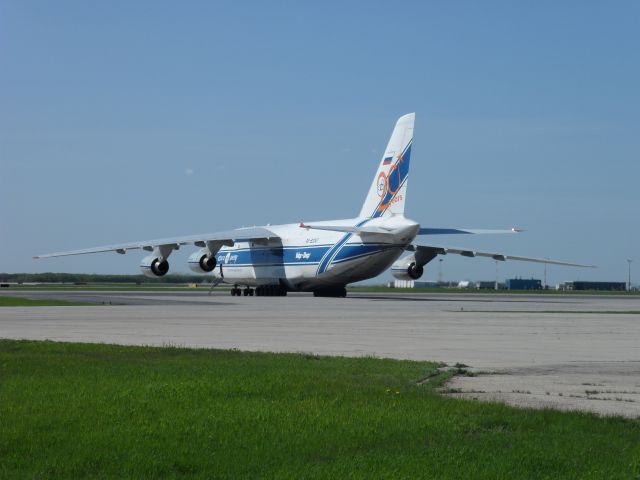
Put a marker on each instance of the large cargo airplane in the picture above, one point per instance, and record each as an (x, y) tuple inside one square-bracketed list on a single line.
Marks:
[(320, 257)]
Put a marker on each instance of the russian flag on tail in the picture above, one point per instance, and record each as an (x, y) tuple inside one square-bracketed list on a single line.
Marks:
[(387, 161)]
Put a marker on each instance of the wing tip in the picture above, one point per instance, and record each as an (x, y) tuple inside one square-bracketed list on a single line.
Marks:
[(35, 257)]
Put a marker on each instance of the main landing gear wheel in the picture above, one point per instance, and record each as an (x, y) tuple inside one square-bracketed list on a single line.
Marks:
[(248, 292), (271, 291), (330, 292), (235, 291)]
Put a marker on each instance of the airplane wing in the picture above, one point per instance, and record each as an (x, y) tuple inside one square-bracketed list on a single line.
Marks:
[(422, 231), (341, 228), (431, 251), (458, 231), (219, 238)]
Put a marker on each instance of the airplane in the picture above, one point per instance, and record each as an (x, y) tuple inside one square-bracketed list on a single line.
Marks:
[(320, 257)]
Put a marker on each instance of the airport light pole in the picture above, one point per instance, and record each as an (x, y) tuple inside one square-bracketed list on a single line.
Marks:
[(629, 275), (440, 271)]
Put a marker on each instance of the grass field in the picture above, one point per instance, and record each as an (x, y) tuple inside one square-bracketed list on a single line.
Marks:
[(101, 411), (31, 302), (114, 287)]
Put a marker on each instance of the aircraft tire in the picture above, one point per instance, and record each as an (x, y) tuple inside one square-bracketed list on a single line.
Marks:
[(270, 291), (334, 292)]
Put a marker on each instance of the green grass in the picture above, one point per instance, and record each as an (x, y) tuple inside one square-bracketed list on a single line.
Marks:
[(102, 411), (32, 302), (114, 287)]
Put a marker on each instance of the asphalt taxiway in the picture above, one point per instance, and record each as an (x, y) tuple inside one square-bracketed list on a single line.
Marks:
[(561, 351)]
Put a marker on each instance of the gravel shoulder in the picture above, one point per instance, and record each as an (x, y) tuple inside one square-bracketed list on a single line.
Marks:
[(604, 388)]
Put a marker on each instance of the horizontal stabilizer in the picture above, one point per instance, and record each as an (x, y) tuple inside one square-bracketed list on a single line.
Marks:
[(458, 231), (342, 228), (466, 252)]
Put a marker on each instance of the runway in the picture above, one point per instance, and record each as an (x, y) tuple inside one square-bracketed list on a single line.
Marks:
[(565, 351)]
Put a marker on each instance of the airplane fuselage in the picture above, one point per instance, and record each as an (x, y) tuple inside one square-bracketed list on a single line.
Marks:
[(306, 259)]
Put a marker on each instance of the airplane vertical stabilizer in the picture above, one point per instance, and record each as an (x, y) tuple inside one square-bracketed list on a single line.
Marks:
[(389, 188)]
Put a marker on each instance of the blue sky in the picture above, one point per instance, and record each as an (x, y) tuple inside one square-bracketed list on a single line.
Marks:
[(131, 120)]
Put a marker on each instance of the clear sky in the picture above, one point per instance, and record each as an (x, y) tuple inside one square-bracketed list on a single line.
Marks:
[(132, 120)]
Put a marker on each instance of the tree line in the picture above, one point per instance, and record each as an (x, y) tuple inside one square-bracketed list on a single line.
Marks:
[(51, 277)]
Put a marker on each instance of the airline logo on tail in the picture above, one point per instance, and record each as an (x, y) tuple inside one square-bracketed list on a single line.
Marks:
[(390, 182), (387, 194)]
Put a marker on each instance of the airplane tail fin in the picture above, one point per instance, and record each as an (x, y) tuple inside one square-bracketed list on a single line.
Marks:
[(388, 191)]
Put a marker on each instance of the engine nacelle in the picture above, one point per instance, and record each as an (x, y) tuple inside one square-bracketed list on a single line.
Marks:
[(152, 266), (202, 261), (407, 269)]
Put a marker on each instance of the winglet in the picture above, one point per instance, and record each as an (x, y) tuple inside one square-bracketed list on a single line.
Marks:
[(35, 257), (517, 230)]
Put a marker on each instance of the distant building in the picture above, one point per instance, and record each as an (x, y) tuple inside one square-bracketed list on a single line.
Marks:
[(605, 286), (523, 284), (466, 284)]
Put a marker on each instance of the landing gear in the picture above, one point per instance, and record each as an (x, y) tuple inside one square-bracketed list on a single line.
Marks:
[(271, 291), (237, 291), (330, 292), (260, 291)]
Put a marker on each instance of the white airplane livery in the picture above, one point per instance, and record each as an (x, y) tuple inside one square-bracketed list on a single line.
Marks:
[(320, 257)]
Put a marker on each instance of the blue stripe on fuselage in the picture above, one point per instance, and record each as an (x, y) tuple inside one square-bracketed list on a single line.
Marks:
[(295, 255), (329, 256), (351, 251), (246, 262), (273, 255)]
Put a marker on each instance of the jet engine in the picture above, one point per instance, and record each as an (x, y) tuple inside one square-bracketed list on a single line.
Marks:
[(202, 261), (407, 269), (153, 266)]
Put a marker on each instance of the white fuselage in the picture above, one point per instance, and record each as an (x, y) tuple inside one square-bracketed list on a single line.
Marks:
[(304, 259)]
